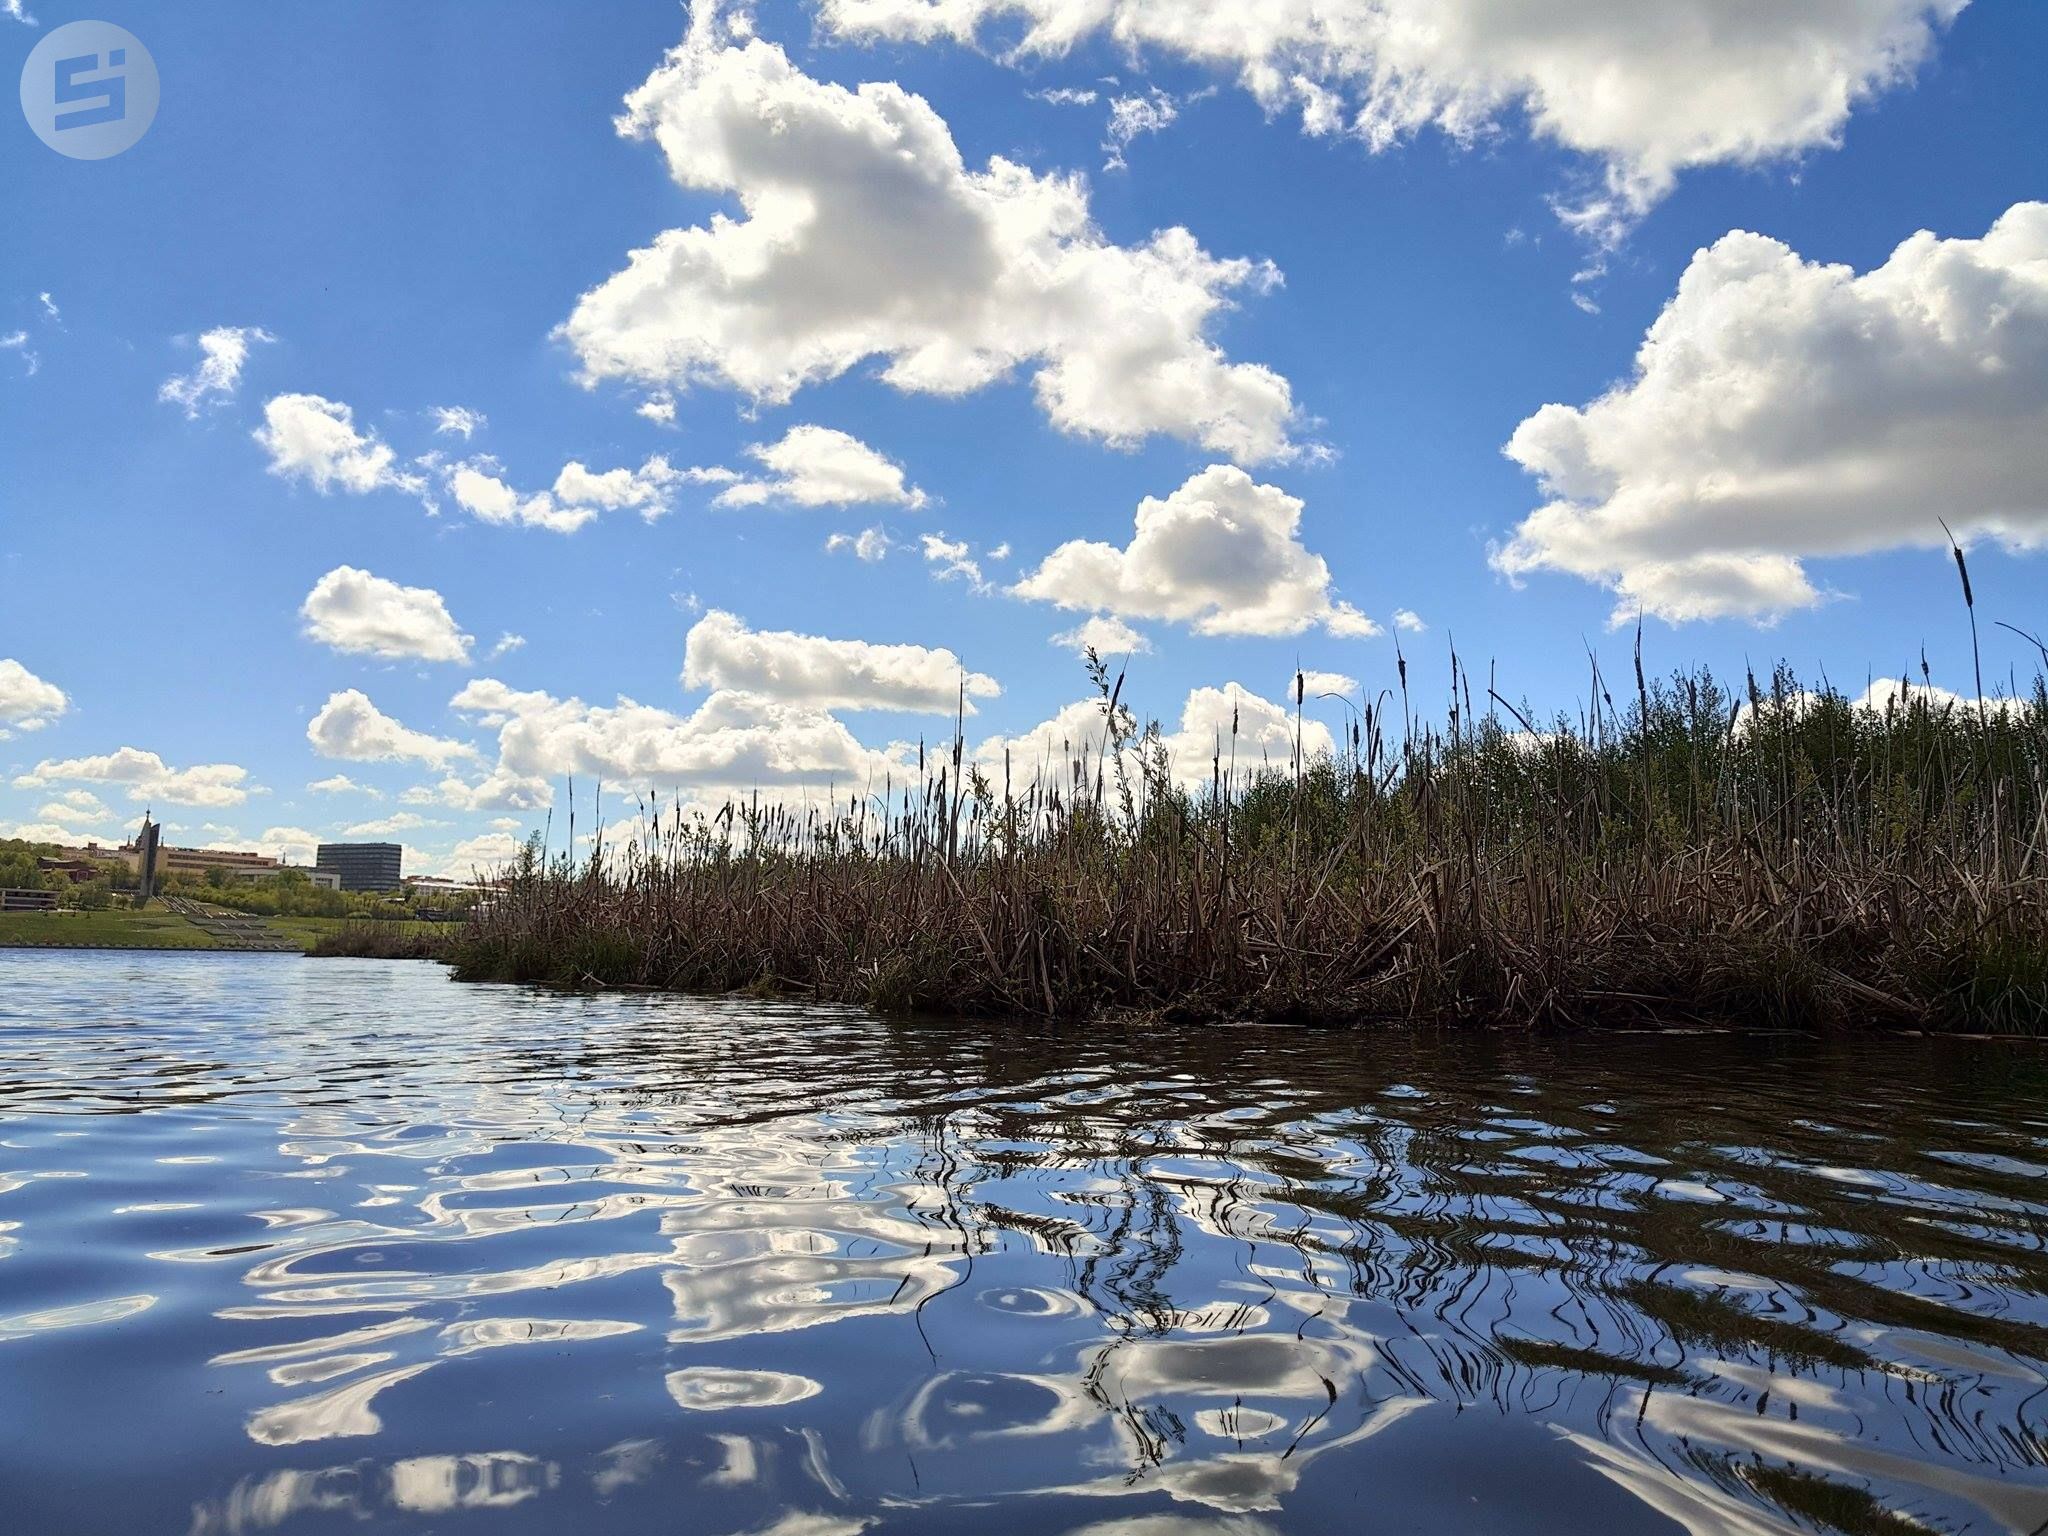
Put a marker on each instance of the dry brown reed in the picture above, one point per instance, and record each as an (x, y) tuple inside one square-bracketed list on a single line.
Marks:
[(1771, 856)]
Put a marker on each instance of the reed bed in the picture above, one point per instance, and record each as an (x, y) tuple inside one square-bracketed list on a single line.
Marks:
[(1766, 855)]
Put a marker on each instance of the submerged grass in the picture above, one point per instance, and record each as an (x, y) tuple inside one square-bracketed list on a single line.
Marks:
[(1771, 855)]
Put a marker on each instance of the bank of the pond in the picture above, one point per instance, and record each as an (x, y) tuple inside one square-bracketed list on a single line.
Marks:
[(154, 928)]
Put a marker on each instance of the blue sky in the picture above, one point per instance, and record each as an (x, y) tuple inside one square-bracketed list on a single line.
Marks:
[(384, 210)]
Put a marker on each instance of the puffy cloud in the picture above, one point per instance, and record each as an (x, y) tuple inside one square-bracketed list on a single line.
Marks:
[(1646, 88), (1223, 553), (820, 467), (354, 611), (870, 544), (1105, 636), (1132, 116), (733, 742), (146, 777), (351, 728), (15, 10), (1782, 409), (1409, 621), (385, 826), (339, 784), (75, 805), (27, 702), (865, 235), (223, 350), (315, 439), (1230, 722), (457, 421), (953, 559), (486, 853), (293, 845), (507, 644), (808, 670), (1315, 683), (578, 496)]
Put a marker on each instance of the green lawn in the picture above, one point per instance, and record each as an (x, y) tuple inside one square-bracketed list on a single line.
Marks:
[(102, 930), (156, 929)]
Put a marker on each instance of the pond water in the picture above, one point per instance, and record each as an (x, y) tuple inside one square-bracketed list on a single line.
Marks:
[(309, 1246)]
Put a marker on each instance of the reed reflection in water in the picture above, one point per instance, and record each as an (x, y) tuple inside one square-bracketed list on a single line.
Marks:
[(307, 1246)]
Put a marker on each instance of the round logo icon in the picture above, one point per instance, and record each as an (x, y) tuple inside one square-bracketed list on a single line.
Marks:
[(89, 90)]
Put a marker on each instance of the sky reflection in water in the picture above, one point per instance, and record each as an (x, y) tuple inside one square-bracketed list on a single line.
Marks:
[(304, 1246)]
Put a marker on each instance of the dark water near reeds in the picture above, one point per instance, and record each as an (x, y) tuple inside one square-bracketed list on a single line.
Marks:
[(312, 1246)]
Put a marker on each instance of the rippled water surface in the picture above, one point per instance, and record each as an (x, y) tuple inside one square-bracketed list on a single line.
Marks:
[(310, 1246)]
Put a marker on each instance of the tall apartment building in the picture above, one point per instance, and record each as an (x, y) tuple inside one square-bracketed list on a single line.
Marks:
[(362, 866)]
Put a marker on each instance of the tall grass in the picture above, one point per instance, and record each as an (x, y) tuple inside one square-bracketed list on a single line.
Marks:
[(1769, 854)]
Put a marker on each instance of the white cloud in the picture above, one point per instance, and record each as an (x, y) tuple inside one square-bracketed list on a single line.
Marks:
[(403, 821), (1229, 721), (1314, 683), (75, 805), (223, 351), (733, 742), (292, 845), (315, 439), (27, 702), (820, 467), (1066, 96), (1106, 636), (578, 496), (864, 235), (951, 559), (1782, 409), (507, 644), (870, 544), (339, 784), (1408, 620), (351, 728), (363, 614), (1223, 554), (17, 341), (13, 9), (487, 852), (50, 310), (146, 777), (458, 421), (808, 670), (659, 409), (1131, 116), (1646, 88)]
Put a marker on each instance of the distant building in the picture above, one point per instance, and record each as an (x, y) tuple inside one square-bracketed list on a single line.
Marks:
[(77, 870), (28, 901), (320, 879), (363, 866)]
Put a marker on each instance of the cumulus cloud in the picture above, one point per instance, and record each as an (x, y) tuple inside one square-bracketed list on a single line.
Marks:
[(27, 702), (1314, 684), (458, 421), (1229, 722), (386, 826), (1131, 117), (363, 614), (863, 234), (1647, 89), (1409, 621), (1223, 554), (351, 728), (1103, 635), (145, 777), (808, 670), (1782, 409), (339, 784), (820, 467), (311, 438), (953, 559), (486, 854), (578, 496), (732, 742), (223, 350), (870, 544)]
